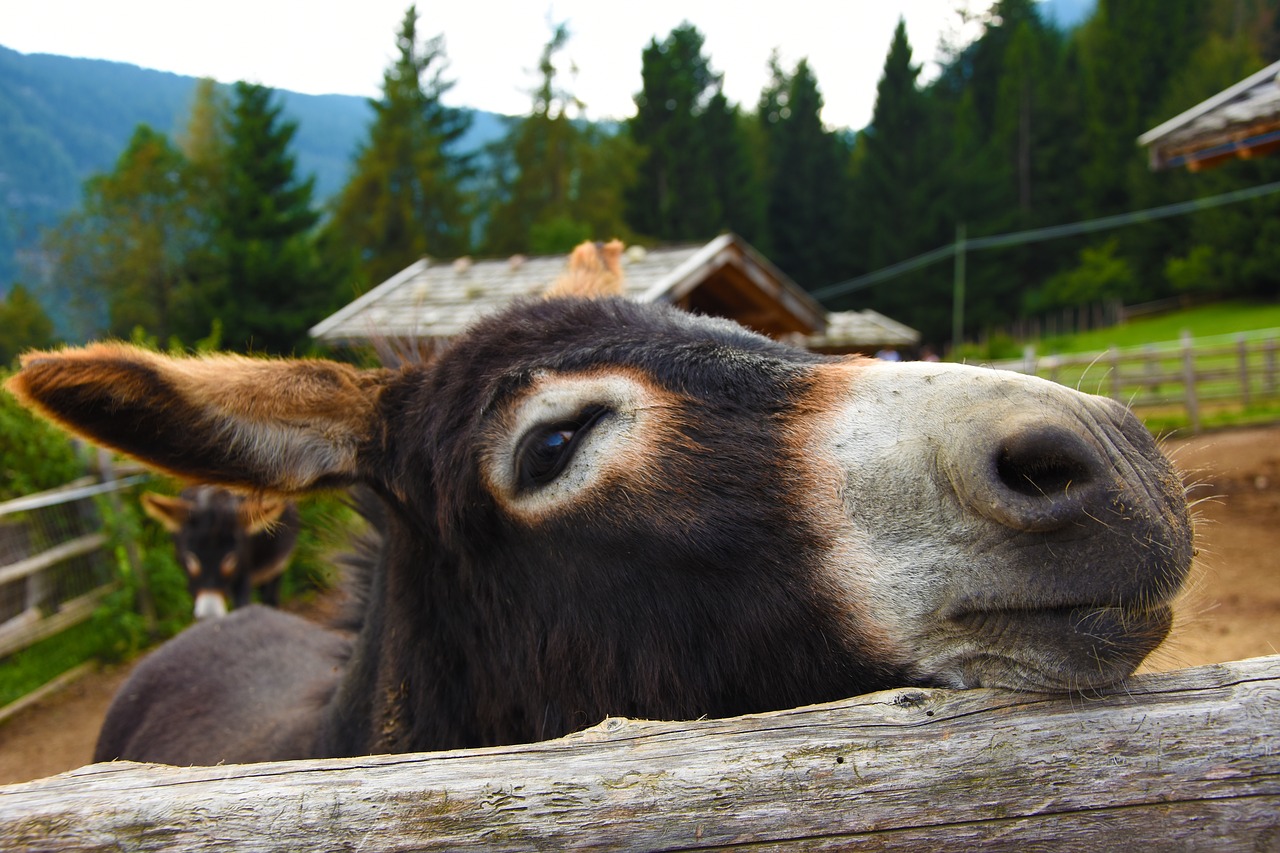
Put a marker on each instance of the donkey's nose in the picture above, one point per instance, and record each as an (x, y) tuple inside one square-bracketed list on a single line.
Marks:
[(1031, 475)]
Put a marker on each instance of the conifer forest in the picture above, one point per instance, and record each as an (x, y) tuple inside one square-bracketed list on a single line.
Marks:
[(213, 231)]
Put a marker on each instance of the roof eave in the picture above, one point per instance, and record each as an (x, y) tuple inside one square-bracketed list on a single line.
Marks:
[(322, 330), (1159, 132), (684, 278)]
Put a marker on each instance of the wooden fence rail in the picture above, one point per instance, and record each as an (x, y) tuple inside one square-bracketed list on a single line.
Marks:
[(1189, 374), (1186, 760), (53, 566)]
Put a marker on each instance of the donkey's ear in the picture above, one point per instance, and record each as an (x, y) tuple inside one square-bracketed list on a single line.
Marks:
[(282, 426), (594, 270), (257, 513), (172, 513)]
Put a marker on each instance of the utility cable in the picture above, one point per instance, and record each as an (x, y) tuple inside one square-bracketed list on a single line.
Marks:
[(1052, 232)]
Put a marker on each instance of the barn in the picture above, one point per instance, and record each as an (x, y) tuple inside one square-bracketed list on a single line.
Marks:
[(431, 301)]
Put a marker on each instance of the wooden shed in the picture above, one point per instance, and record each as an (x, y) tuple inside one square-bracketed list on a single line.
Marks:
[(1242, 121), (432, 301)]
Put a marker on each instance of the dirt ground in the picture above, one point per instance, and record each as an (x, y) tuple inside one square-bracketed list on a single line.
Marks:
[(1230, 612)]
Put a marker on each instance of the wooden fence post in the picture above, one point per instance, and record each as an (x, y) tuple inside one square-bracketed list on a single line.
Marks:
[(1151, 367), (1189, 379), (1117, 393), (1269, 366), (1242, 347)]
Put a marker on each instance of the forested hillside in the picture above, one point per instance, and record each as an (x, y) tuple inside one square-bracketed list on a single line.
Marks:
[(63, 119), (209, 215)]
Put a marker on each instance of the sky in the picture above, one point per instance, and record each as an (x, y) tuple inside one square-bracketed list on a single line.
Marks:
[(343, 46)]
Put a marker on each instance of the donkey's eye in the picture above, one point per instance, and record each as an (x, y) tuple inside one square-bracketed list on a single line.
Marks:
[(547, 448)]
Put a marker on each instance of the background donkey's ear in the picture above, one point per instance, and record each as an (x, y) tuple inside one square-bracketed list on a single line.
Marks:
[(257, 513), (282, 426), (172, 513), (594, 270)]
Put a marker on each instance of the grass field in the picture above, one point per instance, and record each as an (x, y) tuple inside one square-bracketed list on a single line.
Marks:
[(1132, 376), (1222, 318)]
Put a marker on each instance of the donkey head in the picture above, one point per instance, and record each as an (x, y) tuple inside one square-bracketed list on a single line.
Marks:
[(605, 507), (214, 533)]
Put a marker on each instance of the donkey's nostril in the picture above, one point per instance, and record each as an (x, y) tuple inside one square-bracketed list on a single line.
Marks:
[(1045, 462), (1030, 474)]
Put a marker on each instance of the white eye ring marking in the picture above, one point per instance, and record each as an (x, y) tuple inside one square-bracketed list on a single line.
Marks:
[(603, 451)]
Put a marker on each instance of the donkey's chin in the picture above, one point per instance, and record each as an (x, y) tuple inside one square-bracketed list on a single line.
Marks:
[(1068, 649)]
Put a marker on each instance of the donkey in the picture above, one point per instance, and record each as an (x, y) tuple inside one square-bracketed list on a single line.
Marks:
[(591, 507), (229, 545)]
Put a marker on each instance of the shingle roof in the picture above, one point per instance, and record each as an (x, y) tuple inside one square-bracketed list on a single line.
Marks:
[(862, 329), (434, 300), (439, 299)]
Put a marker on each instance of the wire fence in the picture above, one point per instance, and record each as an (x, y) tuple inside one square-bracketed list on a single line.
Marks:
[(54, 564)]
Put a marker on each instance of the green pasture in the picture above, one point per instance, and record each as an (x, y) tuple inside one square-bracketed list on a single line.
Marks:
[(1146, 370), (1220, 318)]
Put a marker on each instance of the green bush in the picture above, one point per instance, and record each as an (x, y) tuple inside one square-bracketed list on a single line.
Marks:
[(999, 347), (119, 619), (24, 324), (34, 455), (1100, 276)]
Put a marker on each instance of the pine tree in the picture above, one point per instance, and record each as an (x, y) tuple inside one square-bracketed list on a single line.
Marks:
[(125, 252), (1130, 50), (534, 165), (806, 189), (891, 165), (203, 142), (674, 198), (23, 325), (556, 181), (1033, 134), (203, 139), (737, 181), (270, 277), (405, 198)]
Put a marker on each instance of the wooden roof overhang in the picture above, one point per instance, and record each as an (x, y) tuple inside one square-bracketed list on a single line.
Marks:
[(728, 278), (1242, 121)]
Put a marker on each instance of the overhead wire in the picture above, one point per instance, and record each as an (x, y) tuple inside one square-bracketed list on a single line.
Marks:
[(1036, 235)]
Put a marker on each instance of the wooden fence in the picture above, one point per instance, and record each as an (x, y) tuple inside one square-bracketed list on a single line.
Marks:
[(53, 566), (1185, 760), (1191, 374)]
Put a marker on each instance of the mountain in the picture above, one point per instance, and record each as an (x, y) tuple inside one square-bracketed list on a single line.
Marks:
[(63, 119)]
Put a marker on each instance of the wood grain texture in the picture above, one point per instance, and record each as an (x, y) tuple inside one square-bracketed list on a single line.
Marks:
[(1188, 760)]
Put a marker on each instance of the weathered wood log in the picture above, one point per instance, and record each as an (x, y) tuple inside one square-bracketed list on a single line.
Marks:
[(1186, 760)]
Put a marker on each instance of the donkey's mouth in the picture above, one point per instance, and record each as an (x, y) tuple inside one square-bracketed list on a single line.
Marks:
[(1055, 649)]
